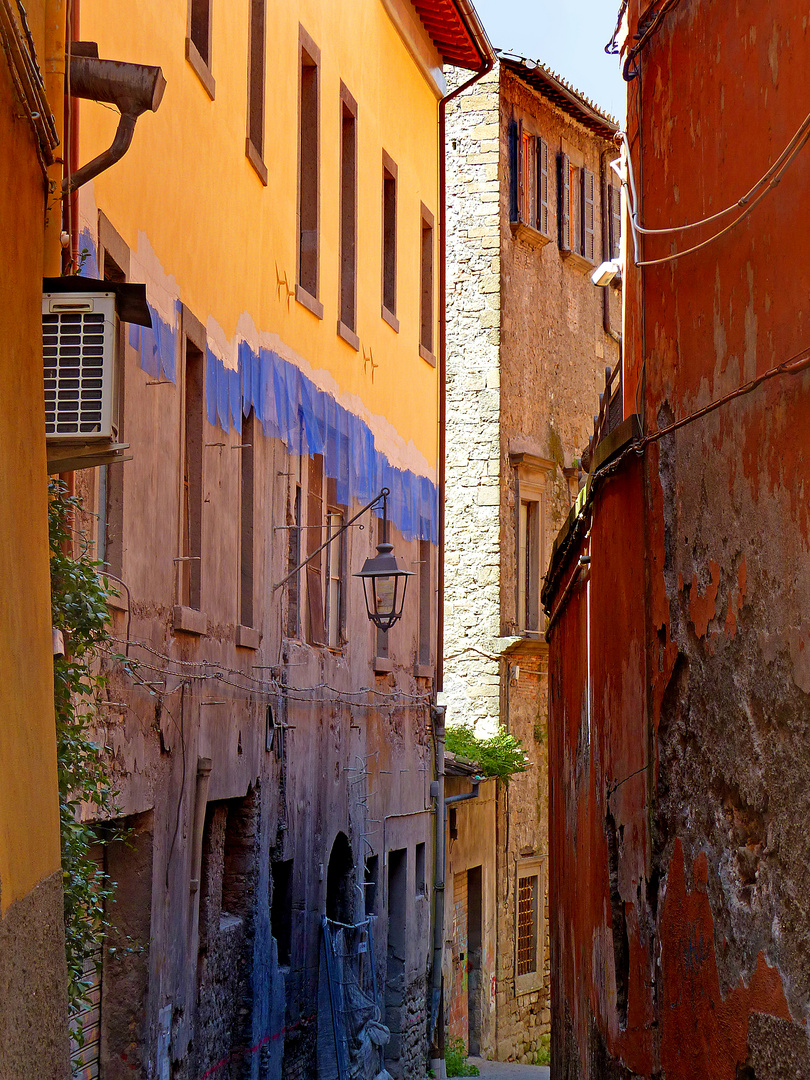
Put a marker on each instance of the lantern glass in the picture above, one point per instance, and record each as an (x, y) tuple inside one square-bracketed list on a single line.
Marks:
[(385, 592), (385, 597)]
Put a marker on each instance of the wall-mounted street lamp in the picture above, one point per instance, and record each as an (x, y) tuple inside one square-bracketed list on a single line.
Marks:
[(384, 580)]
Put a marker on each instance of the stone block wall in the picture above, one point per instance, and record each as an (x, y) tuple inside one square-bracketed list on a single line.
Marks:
[(522, 820), (473, 403)]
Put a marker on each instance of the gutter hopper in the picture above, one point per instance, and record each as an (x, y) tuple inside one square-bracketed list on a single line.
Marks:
[(132, 88)]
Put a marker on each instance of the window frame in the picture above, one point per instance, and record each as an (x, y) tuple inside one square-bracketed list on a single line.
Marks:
[(199, 62), (390, 175), (247, 521), (529, 203), (347, 276), (256, 84), (532, 868), (427, 286), (305, 295), (337, 548), (531, 475), (190, 576), (577, 192)]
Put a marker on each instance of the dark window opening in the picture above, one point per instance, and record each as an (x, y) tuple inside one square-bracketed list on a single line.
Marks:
[(419, 870), (256, 76), (281, 908), (474, 955), (314, 538), (336, 560), (426, 305), (389, 237), (340, 882), (395, 1010), (308, 179), (527, 912), (191, 568), (371, 884), (294, 555), (348, 210), (110, 546), (199, 28), (425, 601), (246, 537)]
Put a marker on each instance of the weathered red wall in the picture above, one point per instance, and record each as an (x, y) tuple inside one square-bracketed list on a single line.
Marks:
[(700, 642)]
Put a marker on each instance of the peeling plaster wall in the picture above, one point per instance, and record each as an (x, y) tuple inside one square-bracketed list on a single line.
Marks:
[(700, 859)]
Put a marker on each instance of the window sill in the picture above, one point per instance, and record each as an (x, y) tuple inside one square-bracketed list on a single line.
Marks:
[(348, 335), (390, 318), (427, 356), (307, 300), (522, 231), (201, 69), (255, 159), (423, 671), (528, 984), (383, 665), (579, 262), (189, 620), (247, 637), (117, 603)]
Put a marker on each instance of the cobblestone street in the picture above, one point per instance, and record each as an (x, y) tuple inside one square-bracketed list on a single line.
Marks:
[(504, 1070)]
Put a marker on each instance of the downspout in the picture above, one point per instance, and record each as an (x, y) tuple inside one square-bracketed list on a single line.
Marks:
[(437, 790), (132, 88), (54, 74), (72, 124), (606, 323)]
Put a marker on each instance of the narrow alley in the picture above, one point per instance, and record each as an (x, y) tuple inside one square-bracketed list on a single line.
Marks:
[(403, 588)]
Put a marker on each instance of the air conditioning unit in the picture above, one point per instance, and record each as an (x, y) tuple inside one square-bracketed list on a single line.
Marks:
[(79, 338)]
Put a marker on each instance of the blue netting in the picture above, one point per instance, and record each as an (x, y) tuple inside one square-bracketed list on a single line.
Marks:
[(291, 408)]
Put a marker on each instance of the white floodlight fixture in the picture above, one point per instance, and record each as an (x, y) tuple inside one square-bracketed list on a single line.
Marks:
[(606, 274)]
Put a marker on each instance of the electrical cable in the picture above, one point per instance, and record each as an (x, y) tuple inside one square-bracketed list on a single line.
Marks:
[(642, 40), (769, 181)]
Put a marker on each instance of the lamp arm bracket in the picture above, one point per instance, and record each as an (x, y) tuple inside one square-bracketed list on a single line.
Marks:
[(383, 495)]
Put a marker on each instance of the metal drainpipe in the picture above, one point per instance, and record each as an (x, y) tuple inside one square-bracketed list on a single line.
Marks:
[(437, 790), (606, 323)]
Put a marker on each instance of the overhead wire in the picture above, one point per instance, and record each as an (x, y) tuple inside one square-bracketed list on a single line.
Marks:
[(745, 203)]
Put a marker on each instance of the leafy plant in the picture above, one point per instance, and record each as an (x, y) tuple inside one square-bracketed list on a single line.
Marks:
[(501, 755), (543, 1055), (79, 597), (455, 1060)]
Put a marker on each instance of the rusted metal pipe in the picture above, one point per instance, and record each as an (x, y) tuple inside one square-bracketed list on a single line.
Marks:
[(132, 88)]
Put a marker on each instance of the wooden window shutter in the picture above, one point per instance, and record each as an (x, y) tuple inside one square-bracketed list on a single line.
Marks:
[(565, 202), (521, 184), (615, 221), (588, 239), (317, 634), (542, 186), (513, 172)]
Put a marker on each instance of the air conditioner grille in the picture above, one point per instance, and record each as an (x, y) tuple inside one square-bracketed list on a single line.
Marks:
[(74, 356)]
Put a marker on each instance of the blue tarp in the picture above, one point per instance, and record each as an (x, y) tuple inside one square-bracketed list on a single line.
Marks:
[(291, 408)]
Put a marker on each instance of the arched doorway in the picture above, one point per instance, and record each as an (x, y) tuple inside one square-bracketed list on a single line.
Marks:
[(340, 881)]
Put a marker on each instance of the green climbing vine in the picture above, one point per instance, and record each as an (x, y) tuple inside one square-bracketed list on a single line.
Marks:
[(79, 595), (500, 755)]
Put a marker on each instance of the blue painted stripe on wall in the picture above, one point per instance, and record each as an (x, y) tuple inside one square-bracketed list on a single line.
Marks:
[(290, 407)]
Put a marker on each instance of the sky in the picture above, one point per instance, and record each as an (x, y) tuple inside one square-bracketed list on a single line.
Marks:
[(568, 36)]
